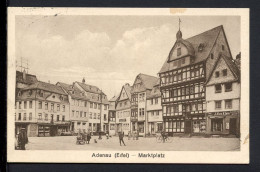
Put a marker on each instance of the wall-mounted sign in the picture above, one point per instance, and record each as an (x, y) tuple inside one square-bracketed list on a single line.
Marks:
[(122, 120)]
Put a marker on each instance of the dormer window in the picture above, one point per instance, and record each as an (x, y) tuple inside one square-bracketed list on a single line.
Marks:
[(200, 48), (217, 74), (53, 96), (224, 72), (211, 55), (178, 51)]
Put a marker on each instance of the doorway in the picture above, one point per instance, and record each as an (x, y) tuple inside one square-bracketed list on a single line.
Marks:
[(232, 125), (187, 127)]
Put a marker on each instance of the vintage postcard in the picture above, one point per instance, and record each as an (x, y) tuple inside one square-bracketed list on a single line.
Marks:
[(122, 85)]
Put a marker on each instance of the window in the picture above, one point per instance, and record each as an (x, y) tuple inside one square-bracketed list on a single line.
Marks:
[(105, 107), (211, 55), (81, 114), (52, 106), (24, 116), (91, 105), (19, 117), (46, 106), (94, 117), (98, 117), (63, 117), (25, 104), (58, 107), (63, 108), (228, 87), (178, 51), (223, 47), (151, 101), (58, 117), (30, 116), (40, 116), (183, 60), (218, 104), (90, 115), (218, 88), (224, 72), (156, 100), (216, 74), (40, 105), (85, 104), (228, 104), (85, 114), (30, 104), (95, 106), (46, 117), (216, 125), (77, 114), (125, 103)]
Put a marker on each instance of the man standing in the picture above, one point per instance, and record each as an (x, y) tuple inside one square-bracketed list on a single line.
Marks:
[(22, 139), (121, 138)]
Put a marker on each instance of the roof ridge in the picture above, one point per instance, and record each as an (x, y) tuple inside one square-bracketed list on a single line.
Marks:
[(220, 26)]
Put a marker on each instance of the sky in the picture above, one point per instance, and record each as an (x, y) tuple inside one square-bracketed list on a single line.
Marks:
[(108, 51)]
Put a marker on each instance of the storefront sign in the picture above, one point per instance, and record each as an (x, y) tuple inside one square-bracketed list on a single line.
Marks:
[(223, 113)]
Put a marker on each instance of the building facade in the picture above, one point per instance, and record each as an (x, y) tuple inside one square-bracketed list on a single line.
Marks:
[(223, 98), (112, 115), (43, 108), (154, 111), (183, 77), (142, 87), (123, 110), (98, 107), (79, 109)]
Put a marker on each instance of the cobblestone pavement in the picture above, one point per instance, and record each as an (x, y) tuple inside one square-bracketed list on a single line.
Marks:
[(177, 144)]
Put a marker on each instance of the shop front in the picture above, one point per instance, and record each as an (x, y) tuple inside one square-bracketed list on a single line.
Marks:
[(226, 123), (155, 127)]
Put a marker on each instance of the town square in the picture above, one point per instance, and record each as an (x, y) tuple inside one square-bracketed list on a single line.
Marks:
[(94, 88)]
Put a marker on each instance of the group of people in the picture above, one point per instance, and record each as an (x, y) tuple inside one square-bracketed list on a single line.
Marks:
[(21, 139), (84, 137)]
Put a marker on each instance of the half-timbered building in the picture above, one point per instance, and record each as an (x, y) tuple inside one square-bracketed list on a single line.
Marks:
[(183, 77)]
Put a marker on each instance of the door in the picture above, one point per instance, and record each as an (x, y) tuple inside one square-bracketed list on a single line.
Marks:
[(187, 127), (232, 126)]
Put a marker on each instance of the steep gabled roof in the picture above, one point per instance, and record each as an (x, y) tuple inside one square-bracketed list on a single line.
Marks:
[(113, 99), (148, 82), (155, 92), (231, 64), (29, 79), (207, 39), (89, 88), (74, 92), (46, 87)]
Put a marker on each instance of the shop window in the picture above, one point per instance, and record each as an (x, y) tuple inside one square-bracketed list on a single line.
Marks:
[(216, 74), (199, 126), (216, 125), (228, 87), (218, 104), (141, 127), (224, 72), (228, 104), (218, 88)]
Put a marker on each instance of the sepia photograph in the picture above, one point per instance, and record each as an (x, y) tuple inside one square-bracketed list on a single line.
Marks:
[(128, 85)]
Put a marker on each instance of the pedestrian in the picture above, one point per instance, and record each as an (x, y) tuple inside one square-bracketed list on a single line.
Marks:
[(22, 139), (121, 138), (107, 135), (88, 138)]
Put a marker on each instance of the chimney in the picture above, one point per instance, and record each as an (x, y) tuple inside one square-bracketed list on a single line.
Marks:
[(24, 74), (83, 80)]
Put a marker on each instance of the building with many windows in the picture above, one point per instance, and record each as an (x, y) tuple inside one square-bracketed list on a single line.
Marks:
[(154, 111), (79, 108), (98, 107), (183, 77), (112, 115), (142, 87), (43, 109), (223, 98), (123, 109)]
